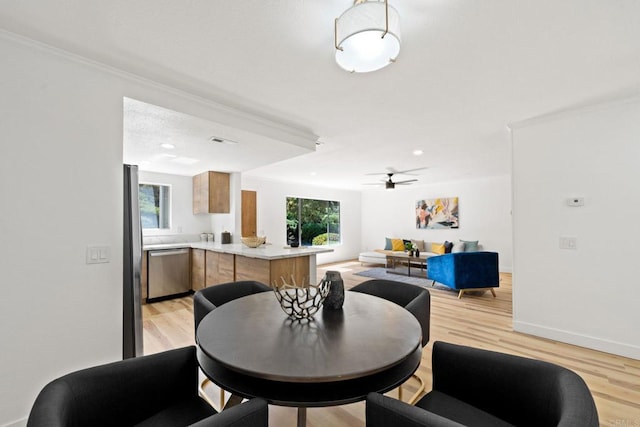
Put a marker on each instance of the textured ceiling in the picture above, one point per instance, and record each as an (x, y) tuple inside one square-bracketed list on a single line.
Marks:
[(466, 69)]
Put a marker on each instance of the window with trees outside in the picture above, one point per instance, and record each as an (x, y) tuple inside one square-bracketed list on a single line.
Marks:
[(155, 205), (313, 222)]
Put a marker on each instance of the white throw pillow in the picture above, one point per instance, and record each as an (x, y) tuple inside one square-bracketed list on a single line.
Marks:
[(457, 247)]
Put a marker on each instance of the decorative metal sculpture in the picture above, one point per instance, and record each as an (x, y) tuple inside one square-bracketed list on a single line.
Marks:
[(301, 302)]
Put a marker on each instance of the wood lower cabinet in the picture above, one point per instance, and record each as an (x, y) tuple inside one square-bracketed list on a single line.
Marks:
[(223, 268), (219, 268), (272, 271), (286, 268), (253, 269), (197, 269)]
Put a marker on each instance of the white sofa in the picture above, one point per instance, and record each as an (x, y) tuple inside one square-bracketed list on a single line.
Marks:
[(372, 258), (379, 256)]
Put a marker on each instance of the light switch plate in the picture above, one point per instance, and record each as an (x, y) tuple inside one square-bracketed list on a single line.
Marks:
[(98, 254), (568, 243)]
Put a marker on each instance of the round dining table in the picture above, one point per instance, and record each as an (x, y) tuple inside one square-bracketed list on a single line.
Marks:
[(251, 348)]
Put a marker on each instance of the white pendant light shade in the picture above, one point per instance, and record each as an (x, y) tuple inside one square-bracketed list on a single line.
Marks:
[(360, 45)]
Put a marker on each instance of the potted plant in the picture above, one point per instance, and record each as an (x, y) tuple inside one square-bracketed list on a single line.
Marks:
[(292, 233), (409, 248)]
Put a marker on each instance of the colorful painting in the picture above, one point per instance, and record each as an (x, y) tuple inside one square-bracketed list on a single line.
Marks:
[(437, 213)]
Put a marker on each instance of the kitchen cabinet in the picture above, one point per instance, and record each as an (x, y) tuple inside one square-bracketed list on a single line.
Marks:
[(272, 271), (219, 268), (253, 269), (248, 213), (211, 193), (197, 269)]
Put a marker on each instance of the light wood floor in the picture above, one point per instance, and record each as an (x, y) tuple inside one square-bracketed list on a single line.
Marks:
[(478, 321)]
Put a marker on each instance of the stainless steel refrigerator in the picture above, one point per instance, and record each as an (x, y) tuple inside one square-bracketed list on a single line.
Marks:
[(131, 267)]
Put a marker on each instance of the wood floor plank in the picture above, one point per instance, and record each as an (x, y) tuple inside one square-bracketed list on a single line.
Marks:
[(478, 321)]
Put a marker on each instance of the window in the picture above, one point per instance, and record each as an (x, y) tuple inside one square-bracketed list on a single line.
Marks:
[(155, 206), (313, 222)]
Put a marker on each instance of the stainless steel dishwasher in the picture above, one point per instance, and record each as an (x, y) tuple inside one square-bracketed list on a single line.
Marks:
[(169, 273)]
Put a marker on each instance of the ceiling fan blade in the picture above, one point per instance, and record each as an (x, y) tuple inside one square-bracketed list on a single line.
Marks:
[(406, 181), (406, 172)]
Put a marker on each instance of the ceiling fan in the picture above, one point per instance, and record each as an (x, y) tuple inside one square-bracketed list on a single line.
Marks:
[(389, 183)]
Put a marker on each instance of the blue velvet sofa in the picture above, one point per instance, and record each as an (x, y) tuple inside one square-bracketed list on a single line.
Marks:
[(465, 271)]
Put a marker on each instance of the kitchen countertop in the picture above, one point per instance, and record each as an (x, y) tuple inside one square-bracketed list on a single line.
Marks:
[(267, 251)]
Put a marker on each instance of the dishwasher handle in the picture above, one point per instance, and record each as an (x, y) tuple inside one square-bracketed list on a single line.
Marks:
[(169, 252)]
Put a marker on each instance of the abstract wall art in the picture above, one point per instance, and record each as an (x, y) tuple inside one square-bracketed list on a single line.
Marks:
[(437, 213)]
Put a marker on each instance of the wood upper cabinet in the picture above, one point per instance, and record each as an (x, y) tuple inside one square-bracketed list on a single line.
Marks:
[(211, 193), (248, 213)]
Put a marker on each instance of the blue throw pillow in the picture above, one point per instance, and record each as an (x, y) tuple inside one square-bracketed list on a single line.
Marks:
[(387, 244), (470, 245)]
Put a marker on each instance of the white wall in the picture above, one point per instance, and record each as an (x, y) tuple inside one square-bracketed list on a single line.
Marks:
[(183, 221), (271, 207), (61, 190), (485, 215), (588, 296)]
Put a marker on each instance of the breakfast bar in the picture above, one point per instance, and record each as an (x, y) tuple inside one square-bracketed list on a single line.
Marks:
[(215, 263)]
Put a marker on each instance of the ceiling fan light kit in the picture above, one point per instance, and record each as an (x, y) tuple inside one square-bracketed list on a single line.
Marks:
[(367, 36)]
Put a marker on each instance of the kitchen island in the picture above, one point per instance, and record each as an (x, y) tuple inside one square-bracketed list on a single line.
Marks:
[(215, 263)]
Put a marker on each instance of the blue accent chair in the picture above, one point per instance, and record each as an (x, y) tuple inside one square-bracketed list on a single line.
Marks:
[(464, 271)]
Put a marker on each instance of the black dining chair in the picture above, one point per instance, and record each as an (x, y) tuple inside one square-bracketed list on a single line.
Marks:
[(156, 390), (214, 296), (207, 299), (477, 388), (415, 299)]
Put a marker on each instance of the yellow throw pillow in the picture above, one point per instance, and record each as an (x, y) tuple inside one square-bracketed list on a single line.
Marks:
[(397, 245), (437, 248)]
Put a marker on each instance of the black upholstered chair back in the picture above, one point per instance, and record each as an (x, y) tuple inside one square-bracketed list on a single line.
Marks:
[(209, 298), (520, 391), (119, 393), (415, 299)]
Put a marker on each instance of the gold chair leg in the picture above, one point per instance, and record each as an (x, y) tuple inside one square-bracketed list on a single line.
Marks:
[(419, 392), (206, 397), (421, 388)]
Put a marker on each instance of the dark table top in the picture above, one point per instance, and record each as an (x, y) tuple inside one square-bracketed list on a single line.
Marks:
[(250, 347)]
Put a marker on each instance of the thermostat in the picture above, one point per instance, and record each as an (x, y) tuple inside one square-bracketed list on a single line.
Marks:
[(575, 201)]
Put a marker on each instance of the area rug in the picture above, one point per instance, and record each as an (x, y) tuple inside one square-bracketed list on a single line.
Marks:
[(381, 273)]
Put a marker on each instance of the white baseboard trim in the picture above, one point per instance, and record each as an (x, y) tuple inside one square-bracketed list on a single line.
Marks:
[(595, 343), (18, 423)]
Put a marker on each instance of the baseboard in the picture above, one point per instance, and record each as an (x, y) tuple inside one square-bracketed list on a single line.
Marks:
[(607, 346), (19, 423)]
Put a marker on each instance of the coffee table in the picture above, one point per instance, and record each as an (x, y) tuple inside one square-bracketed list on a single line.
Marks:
[(252, 349), (402, 263)]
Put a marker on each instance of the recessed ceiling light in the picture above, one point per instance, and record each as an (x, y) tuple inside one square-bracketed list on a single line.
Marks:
[(313, 173), (418, 152), (168, 146), (218, 140)]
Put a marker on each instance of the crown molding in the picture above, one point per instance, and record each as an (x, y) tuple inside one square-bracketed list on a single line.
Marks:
[(255, 122)]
